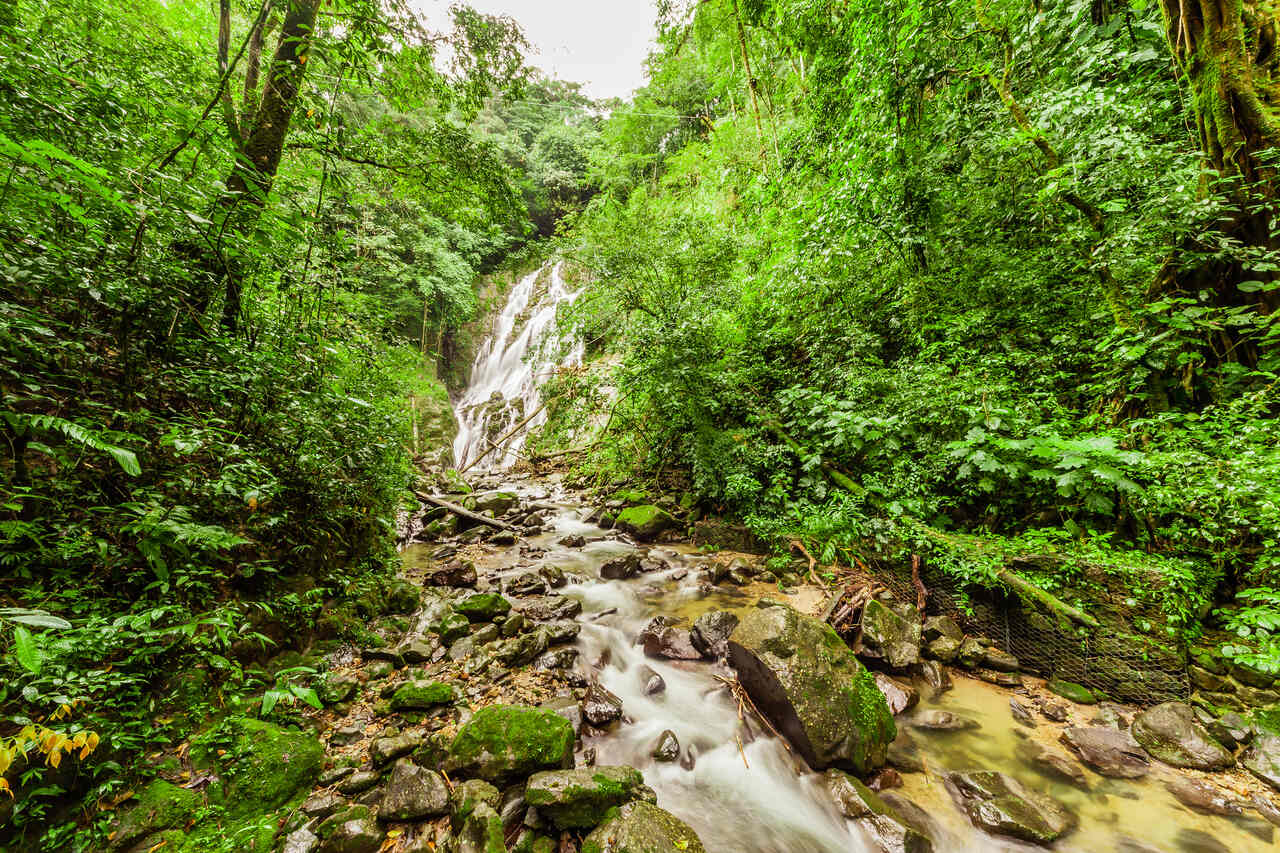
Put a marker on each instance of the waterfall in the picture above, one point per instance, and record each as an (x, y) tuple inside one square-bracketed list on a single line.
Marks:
[(519, 354)]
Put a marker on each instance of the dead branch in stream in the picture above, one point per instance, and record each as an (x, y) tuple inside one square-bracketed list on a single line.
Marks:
[(462, 511), (744, 701)]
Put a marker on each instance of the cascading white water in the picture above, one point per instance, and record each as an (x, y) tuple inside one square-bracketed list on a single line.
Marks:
[(512, 362)]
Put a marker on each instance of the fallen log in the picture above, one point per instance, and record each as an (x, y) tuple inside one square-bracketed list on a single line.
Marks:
[(462, 511)]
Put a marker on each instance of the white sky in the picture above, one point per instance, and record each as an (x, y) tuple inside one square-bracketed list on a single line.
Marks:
[(599, 43)]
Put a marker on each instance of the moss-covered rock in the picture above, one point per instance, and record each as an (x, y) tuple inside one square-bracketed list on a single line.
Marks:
[(262, 767), (891, 636), (466, 796), (1171, 733), (578, 799), (807, 681), (645, 522), (498, 503), (504, 741), (858, 802), (1077, 693), (482, 606), (160, 806), (641, 827), (481, 832), (1002, 805), (352, 830), (422, 695)]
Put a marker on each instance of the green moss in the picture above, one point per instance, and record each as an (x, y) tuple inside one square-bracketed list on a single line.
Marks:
[(579, 799), (509, 740), (422, 695), (631, 496), (645, 521), (482, 606), (160, 806), (1077, 693), (263, 766)]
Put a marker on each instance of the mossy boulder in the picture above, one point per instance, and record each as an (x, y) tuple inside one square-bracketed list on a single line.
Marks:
[(1171, 733), (482, 606), (804, 678), (160, 806), (645, 522), (579, 799), (262, 766), (892, 637), (642, 827), (466, 796), (498, 503), (505, 741), (1003, 806), (422, 695), (859, 803), (480, 832), (440, 618), (352, 830)]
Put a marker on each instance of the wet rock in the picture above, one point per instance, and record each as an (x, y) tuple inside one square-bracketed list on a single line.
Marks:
[(467, 796), (1000, 661), (897, 695), (1202, 796), (809, 684), (652, 681), (1021, 713), (514, 624), (971, 652), (710, 633), (322, 805), (422, 695), (645, 522), (413, 793), (883, 822), (417, 651), (937, 720), (661, 639), (885, 778), (641, 827), (553, 575), (1058, 712), (943, 649), (1262, 759), (890, 637), (1001, 805), (565, 631), (482, 606), (1051, 763), (334, 775), (942, 626), (1269, 811), (387, 749), (504, 741), (498, 503), (359, 782), (667, 747), (462, 649), (1111, 714), (521, 650), (453, 573), (572, 542), (352, 830), (337, 687), (480, 832), (563, 658), (621, 568), (1111, 752), (600, 706), (904, 754), (1002, 679), (1231, 729), (1197, 841), (391, 656), (441, 619), (301, 840), (1171, 733), (526, 583), (578, 799), (486, 633), (545, 608), (933, 674), (1077, 693)]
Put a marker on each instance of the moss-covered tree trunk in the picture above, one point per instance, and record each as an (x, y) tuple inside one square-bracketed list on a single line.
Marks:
[(1226, 50)]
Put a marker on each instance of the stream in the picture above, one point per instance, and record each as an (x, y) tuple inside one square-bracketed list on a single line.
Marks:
[(738, 785)]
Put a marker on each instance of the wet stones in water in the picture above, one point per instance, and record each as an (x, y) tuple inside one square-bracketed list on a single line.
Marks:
[(564, 631), (885, 778), (1001, 679), (621, 568), (971, 652), (528, 583), (710, 633), (1262, 759), (1021, 713), (572, 542), (641, 827), (578, 799), (504, 741), (600, 706), (1000, 804), (936, 720), (545, 608), (452, 573), (904, 754), (810, 685), (564, 658), (661, 639), (1171, 733), (889, 636), (413, 793), (1197, 841), (897, 695), (652, 681), (942, 638), (522, 649), (1110, 752), (553, 575), (933, 674), (482, 606), (1051, 763), (889, 828), (667, 747), (1202, 796), (1058, 712)]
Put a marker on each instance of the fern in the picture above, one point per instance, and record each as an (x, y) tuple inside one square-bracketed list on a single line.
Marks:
[(127, 459)]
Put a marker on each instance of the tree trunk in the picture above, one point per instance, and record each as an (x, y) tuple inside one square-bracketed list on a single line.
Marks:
[(1226, 49), (259, 158)]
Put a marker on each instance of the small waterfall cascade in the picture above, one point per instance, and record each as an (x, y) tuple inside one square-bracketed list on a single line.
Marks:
[(522, 351)]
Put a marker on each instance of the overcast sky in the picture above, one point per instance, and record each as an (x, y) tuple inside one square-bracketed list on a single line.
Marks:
[(599, 43)]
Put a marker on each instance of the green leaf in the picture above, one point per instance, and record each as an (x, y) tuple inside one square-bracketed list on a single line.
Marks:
[(27, 651), (269, 700), (306, 694)]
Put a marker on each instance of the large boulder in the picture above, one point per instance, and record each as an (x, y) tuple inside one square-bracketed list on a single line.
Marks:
[(1110, 752), (482, 606), (642, 827), (413, 793), (160, 806), (257, 766), (893, 638), (803, 677), (1171, 733), (1263, 758), (883, 822), (661, 639), (498, 503), (710, 632), (1002, 805), (645, 522), (352, 830), (580, 799), (504, 741), (421, 695)]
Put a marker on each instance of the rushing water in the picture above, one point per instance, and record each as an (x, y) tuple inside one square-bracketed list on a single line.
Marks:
[(511, 363)]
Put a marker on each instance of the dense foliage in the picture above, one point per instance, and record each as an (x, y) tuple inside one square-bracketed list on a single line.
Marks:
[(970, 256)]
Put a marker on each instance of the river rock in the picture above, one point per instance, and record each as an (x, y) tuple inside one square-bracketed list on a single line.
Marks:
[(562, 658), (469, 794), (1021, 713), (803, 677), (933, 674), (301, 840), (322, 805), (1171, 733), (572, 542), (482, 606), (337, 687), (1049, 762), (1198, 841), (600, 706), (1077, 693), (1111, 752), (1262, 759), (1202, 796), (480, 832), (546, 608), (421, 695), (859, 803), (1000, 661), (1001, 805), (897, 695), (522, 649), (889, 636), (352, 830), (505, 741), (652, 681), (904, 754), (645, 522), (386, 749), (452, 573), (525, 583), (413, 793), (578, 799), (1230, 729), (710, 633), (937, 720), (621, 568), (417, 651), (661, 639), (359, 782), (498, 503), (667, 747), (641, 827)]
